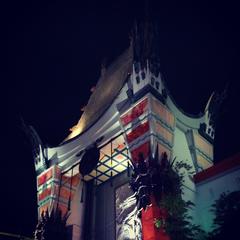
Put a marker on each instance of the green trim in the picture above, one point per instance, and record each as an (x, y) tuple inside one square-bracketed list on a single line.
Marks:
[(51, 197), (171, 143), (163, 141), (162, 121), (45, 200), (203, 154)]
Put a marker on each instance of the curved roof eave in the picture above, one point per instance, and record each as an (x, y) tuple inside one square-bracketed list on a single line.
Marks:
[(107, 89), (190, 120)]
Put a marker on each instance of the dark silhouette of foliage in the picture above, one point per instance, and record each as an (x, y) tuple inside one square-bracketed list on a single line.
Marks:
[(51, 226), (178, 223), (227, 213), (164, 180)]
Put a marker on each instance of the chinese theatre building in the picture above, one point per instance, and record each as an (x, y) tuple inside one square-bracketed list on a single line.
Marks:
[(130, 121)]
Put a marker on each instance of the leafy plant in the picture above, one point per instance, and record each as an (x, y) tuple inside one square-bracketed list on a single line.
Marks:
[(227, 212), (51, 226), (164, 180), (158, 223), (178, 223)]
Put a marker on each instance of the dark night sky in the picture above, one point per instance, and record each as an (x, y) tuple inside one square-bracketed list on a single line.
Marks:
[(54, 53)]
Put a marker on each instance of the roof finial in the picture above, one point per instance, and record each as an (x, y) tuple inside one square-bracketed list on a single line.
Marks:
[(146, 41)]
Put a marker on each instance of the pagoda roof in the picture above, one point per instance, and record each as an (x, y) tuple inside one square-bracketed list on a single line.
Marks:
[(108, 87)]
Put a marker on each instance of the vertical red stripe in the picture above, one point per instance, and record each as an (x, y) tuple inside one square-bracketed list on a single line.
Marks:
[(144, 149), (149, 230)]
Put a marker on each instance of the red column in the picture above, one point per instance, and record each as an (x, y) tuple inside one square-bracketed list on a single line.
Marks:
[(149, 230), (134, 131)]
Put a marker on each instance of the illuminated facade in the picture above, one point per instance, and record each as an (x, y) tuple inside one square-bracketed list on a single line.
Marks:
[(129, 112)]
